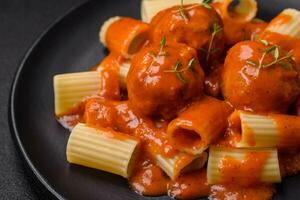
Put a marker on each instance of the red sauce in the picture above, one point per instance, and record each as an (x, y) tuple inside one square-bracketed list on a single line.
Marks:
[(288, 43), (239, 30), (213, 81), (289, 129), (246, 87), (189, 185), (109, 71), (249, 168), (151, 78), (199, 125), (195, 30), (163, 86), (148, 179), (126, 36)]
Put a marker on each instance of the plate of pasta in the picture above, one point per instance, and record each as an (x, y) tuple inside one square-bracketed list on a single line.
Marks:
[(183, 99)]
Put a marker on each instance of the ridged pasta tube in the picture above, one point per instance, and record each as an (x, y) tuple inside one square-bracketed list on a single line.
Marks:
[(124, 35), (105, 150), (180, 163), (286, 23), (149, 8), (72, 88), (244, 11), (273, 130), (242, 166), (199, 125)]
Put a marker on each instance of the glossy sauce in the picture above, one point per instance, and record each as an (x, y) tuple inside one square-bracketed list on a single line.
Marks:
[(151, 78), (246, 87), (239, 30), (109, 70), (156, 95), (288, 127), (249, 168), (286, 42), (195, 31)]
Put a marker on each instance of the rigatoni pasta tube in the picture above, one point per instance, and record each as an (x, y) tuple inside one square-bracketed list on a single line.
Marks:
[(286, 23), (244, 11), (242, 166), (180, 163), (124, 35), (199, 125), (149, 8), (273, 130), (72, 88), (102, 149)]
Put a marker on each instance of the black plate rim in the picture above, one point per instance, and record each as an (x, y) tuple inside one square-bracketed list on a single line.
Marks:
[(12, 97)]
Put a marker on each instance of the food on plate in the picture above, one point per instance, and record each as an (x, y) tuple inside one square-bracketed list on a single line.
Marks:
[(198, 99)]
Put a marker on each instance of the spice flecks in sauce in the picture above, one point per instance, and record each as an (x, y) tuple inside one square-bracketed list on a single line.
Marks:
[(246, 171)]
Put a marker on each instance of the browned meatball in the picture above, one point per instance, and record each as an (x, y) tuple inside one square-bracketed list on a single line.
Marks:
[(194, 25), (162, 80), (264, 87)]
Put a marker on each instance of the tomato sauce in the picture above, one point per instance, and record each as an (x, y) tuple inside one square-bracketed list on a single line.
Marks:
[(167, 108), (250, 168), (288, 43)]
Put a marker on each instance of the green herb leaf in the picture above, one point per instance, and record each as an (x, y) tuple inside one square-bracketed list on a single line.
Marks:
[(191, 64), (182, 12), (178, 74), (216, 28), (152, 53), (251, 62), (206, 3), (264, 42), (276, 53), (163, 43)]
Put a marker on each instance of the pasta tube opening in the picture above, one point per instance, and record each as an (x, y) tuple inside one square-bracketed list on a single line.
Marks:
[(199, 125), (124, 35), (273, 130), (244, 11), (180, 163)]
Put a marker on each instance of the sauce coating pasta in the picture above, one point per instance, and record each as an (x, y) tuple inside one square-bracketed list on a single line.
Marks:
[(204, 96)]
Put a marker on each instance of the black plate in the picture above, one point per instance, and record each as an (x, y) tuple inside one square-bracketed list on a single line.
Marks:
[(71, 45)]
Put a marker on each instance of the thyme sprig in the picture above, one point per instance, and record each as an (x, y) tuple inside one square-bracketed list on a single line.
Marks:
[(274, 49), (206, 3), (162, 44), (178, 71), (216, 28), (183, 12)]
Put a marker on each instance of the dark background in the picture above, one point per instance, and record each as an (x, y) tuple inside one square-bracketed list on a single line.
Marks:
[(21, 22)]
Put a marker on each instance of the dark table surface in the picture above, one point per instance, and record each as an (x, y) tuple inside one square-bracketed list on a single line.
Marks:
[(21, 22)]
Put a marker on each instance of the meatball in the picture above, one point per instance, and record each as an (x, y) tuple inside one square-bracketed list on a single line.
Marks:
[(260, 78), (161, 80), (194, 25)]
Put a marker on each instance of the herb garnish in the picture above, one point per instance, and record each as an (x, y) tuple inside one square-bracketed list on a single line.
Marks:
[(272, 49), (182, 12), (216, 28), (162, 44), (206, 3), (178, 71)]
